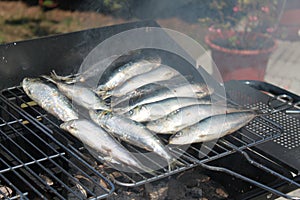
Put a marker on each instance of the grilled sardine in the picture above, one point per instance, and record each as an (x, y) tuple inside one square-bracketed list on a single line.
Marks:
[(130, 70), (159, 109), (49, 98), (132, 132), (95, 138), (81, 95), (187, 116), (213, 127)]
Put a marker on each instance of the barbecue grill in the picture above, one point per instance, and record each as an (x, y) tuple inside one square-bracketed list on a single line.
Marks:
[(39, 160)]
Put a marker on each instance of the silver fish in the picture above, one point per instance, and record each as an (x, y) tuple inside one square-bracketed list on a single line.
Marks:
[(122, 74), (49, 98), (81, 95), (213, 128), (89, 72), (193, 90), (187, 116), (95, 138), (94, 69), (133, 133), (159, 109), (161, 73), (150, 88)]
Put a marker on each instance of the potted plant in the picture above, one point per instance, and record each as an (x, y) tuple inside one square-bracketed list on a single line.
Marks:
[(241, 40)]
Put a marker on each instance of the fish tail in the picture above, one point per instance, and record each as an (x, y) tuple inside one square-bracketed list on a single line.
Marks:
[(67, 79), (256, 111), (100, 88), (173, 163), (55, 76), (154, 59), (104, 94), (49, 78), (259, 112), (101, 92)]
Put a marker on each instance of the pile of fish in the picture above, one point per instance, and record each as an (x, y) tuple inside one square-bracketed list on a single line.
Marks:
[(137, 103)]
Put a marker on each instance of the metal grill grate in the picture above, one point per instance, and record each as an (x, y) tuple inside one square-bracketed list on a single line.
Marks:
[(290, 137), (258, 131), (37, 161)]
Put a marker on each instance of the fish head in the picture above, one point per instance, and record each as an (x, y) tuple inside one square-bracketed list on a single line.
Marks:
[(69, 126), (28, 83), (143, 109), (180, 138), (135, 111), (100, 115)]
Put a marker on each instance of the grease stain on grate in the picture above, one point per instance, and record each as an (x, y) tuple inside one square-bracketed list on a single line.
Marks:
[(290, 138)]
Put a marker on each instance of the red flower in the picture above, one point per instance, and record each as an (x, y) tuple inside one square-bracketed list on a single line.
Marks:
[(270, 30), (236, 9), (252, 18), (211, 29), (265, 9)]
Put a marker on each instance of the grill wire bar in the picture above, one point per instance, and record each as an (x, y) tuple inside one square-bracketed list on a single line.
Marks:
[(34, 164), (256, 132), (256, 183)]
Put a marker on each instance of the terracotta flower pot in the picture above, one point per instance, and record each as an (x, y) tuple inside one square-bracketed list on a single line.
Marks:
[(234, 64)]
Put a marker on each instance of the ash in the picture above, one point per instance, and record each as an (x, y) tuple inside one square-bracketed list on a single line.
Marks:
[(188, 185)]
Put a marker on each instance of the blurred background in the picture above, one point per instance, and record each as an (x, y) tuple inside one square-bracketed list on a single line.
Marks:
[(28, 19)]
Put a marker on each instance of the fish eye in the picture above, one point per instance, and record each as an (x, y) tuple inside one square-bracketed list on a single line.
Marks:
[(130, 112), (72, 127)]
